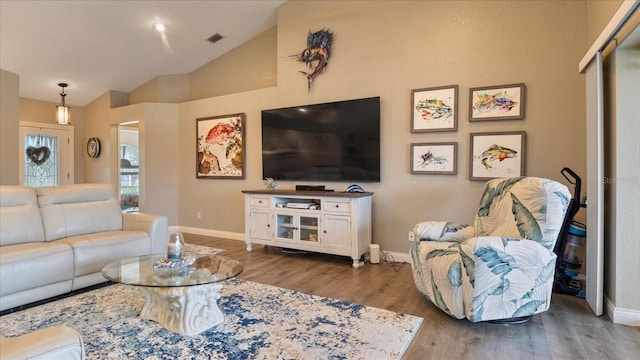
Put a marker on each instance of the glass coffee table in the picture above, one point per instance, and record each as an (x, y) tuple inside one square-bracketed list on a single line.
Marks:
[(181, 296)]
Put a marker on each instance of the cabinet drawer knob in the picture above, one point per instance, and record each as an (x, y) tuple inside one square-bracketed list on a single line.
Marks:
[(337, 206)]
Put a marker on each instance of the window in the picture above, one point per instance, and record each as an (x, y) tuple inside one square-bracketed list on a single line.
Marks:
[(129, 178), (41, 160)]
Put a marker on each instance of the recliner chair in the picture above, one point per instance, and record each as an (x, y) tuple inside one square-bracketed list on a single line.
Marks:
[(501, 267)]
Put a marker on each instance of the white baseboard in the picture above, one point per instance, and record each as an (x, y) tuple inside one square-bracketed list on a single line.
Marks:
[(622, 316), (396, 256), (208, 232)]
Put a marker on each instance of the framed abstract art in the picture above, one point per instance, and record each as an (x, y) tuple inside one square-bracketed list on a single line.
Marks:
[(503, 102), (496, 155), (434, 158), (434, 109)]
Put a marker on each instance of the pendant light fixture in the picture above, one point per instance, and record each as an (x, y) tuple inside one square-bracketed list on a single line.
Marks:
[(62, 110)]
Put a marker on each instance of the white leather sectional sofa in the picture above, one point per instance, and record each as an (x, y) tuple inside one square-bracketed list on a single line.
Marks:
[(55, 343), (57, 239)]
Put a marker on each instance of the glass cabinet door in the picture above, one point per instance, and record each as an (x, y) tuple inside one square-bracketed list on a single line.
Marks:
[(300, 228), (285, 226), (309, 229)]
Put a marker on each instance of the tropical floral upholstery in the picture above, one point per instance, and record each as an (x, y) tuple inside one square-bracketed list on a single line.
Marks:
[(502, 266)]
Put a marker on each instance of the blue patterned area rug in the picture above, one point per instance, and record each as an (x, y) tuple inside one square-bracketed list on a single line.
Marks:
[(261, 322), (204, 250)]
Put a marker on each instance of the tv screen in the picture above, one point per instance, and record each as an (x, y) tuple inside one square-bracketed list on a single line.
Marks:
[(338, 141)]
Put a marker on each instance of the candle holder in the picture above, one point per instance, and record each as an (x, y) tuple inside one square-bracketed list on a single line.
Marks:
[(176, 246)]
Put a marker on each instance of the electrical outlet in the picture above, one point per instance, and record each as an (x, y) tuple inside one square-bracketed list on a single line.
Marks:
[(198, 215), (412, 236)]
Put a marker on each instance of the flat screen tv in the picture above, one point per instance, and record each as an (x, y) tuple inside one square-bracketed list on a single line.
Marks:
[(338, 141)]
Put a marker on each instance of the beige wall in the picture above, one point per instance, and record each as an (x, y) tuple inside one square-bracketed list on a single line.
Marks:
[(248, 67), (9, 110), (158, 144), (158, 151), (147, 92), (159, 140), (41, 111), (167, 89), (98, 124), (173, 88), (599, 12), (469, 44), (117, 99)]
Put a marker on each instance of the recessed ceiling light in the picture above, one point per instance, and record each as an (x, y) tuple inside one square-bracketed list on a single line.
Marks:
[(159, 26)]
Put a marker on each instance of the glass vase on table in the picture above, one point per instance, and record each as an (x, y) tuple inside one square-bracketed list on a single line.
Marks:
[(176, 248)]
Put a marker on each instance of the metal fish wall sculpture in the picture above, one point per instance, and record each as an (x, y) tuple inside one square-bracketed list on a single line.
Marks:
[(318, 49)]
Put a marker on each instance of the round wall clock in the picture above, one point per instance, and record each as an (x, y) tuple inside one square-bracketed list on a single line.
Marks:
[(93, 147)]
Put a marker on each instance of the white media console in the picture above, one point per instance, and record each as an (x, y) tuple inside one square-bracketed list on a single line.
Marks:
[(319, 221)]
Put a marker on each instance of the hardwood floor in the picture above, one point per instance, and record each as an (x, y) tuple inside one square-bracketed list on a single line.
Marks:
[(569, 330)]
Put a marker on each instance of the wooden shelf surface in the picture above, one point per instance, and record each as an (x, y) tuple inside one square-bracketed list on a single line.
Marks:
[(278, 192)]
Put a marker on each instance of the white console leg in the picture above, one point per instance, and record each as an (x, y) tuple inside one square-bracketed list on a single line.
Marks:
[(357, 263), (249, 247), (187, 310)]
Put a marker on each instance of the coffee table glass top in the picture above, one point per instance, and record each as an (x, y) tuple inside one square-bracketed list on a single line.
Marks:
[(154, 270)]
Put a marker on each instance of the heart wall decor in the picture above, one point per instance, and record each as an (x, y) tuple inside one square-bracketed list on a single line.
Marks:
[(38, 155)]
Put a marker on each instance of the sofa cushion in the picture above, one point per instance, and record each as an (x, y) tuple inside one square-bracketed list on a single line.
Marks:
[(77, 209), (19, 216), (92, 252), (58, 342), (41, 263)]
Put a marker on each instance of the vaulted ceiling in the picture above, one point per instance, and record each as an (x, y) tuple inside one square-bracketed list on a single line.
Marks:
[(101, 45)]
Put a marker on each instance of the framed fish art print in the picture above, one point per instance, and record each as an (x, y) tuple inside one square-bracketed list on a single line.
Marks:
[(434, 109), (220, 147), (434, 158), (503, 102), (497, 155)]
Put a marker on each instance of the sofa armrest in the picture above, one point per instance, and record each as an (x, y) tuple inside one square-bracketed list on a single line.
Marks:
[(155, 225), (442, 231), (60, 342)]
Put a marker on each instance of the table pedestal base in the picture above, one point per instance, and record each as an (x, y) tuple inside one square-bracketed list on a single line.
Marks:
[(187, 310)]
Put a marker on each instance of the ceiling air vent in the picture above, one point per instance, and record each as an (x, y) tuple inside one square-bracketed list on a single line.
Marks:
[(214, 38)]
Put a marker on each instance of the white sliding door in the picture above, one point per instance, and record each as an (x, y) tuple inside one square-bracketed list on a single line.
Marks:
[(595, 186)]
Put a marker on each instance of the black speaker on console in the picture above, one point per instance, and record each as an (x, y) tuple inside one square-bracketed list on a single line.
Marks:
[(310, 188)]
